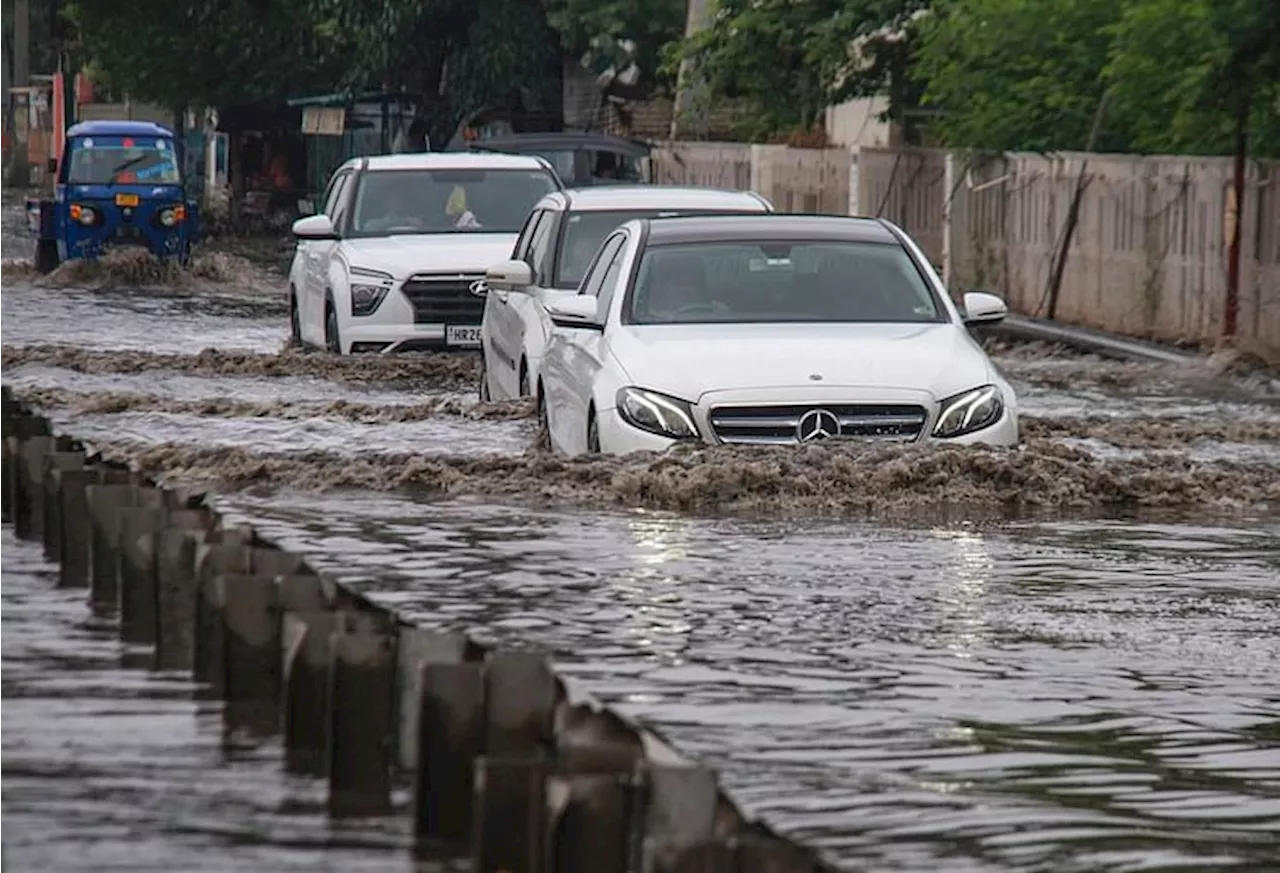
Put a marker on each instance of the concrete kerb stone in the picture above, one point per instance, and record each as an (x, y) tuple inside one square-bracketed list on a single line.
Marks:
[(360, 723), (304, 706), (226, 550), (20, 425), (29, 503), (143, 532), (510, 819), (451, 728), (51, 499), (177, 549), (77, 530), (106, 506), (418, 646)]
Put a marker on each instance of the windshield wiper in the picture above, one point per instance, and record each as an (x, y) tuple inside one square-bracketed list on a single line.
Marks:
[(126, 165)]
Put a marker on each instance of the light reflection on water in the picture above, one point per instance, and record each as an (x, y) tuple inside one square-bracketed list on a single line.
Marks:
[(1037, 696)]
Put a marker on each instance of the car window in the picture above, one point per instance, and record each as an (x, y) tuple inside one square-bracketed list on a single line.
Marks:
[(597, 273), (540, 248), (342, 201), (584, 231), (335, 190), (770, 281), (446, 201), (521, 252), (609, 285)]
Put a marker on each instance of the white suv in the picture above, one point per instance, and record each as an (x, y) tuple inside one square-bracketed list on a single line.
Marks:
[(388, 263), (553, 252)]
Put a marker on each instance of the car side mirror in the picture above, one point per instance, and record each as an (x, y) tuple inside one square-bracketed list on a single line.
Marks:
[(314, 227), (509, 276), (983, 308), (576, 311)]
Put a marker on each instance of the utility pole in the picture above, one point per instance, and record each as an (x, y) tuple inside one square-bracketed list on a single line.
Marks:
[(21, 43), (689, 113)]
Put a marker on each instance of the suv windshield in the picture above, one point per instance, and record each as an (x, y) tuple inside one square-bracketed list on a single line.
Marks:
[(447, 201), (102, 160), (770, 282), (585, 231)]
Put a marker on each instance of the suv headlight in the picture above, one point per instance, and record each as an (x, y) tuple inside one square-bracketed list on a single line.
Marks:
[(657, 413), (969, 411), (368, 288)]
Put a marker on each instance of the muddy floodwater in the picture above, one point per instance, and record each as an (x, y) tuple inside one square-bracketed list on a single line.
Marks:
[(1061, 657)]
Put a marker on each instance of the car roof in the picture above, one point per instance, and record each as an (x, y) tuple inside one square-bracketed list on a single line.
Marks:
[(564, 140), (118, 128), (450, 161), (602, 198), (727, 228)]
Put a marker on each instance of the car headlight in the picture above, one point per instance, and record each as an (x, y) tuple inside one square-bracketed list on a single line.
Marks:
[(969, 411), (83, 214), (657, 413), (368, 288)]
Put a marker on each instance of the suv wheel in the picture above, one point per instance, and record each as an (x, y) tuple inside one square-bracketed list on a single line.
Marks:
[(332, 341)]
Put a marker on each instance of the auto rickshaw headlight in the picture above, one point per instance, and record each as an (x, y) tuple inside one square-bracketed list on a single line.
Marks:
[(174, 214), (83, 214)]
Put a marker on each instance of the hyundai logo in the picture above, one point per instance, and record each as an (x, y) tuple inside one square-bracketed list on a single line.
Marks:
[(479, 287), (817, 424)]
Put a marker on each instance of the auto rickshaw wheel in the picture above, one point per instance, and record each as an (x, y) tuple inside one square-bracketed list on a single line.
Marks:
[(46, 256)]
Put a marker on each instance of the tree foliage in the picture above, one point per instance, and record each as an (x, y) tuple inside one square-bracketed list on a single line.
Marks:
[(595, 27), (211, 53), (1030, 74), (791, 60)]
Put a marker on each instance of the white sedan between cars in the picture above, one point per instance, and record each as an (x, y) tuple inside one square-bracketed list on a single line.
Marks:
[(767, 329), (554, 249)]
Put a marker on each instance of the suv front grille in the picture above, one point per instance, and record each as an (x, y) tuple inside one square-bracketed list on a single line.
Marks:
[(780, 424), (443, 299)]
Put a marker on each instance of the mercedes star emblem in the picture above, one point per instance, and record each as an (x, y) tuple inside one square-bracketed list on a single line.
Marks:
[(817, 424)]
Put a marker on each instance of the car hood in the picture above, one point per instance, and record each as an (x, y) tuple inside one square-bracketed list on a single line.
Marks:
[(405, 254), (690, 360)]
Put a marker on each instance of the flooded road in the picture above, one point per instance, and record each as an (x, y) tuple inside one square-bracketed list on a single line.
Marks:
[(1056, 658)]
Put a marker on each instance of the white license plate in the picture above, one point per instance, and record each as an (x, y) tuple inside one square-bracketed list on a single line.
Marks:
[(461, 336)]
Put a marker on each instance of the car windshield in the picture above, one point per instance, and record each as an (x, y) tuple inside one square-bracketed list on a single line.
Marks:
[(585, 231), (102, 160), (769, 282), (446, 201)]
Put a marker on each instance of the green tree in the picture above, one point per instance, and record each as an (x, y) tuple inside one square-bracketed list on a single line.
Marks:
[(790, 61), (1198, 76), (595, 27), (218, 52), (1018, 74), (461, 56)]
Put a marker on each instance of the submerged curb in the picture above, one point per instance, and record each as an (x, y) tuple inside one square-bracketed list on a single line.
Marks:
[(1087, 340), (508, 763)]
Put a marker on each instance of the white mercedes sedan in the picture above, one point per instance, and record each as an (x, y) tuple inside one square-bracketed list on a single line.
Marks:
[(766, 329)]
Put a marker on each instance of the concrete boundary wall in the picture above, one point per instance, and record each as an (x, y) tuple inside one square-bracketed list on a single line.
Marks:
[(508, 763)]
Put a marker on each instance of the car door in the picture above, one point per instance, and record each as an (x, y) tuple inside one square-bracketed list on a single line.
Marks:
[(500, 325), (317, 254), (578, 354), (528, 308)]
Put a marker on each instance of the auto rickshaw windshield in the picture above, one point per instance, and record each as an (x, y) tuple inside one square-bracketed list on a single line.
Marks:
[(102, 160)]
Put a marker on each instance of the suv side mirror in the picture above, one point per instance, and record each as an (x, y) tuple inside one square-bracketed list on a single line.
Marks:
[(983, 308), (314, 227), (509, 276)]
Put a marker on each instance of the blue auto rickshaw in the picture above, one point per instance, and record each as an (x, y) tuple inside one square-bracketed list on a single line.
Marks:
[(119, 183)]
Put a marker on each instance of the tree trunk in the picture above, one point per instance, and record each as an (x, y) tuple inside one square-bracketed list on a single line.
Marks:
[(1231, 310)]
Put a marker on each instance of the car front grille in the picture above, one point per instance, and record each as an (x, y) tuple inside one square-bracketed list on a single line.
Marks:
[(443, 299), (780, 425)]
